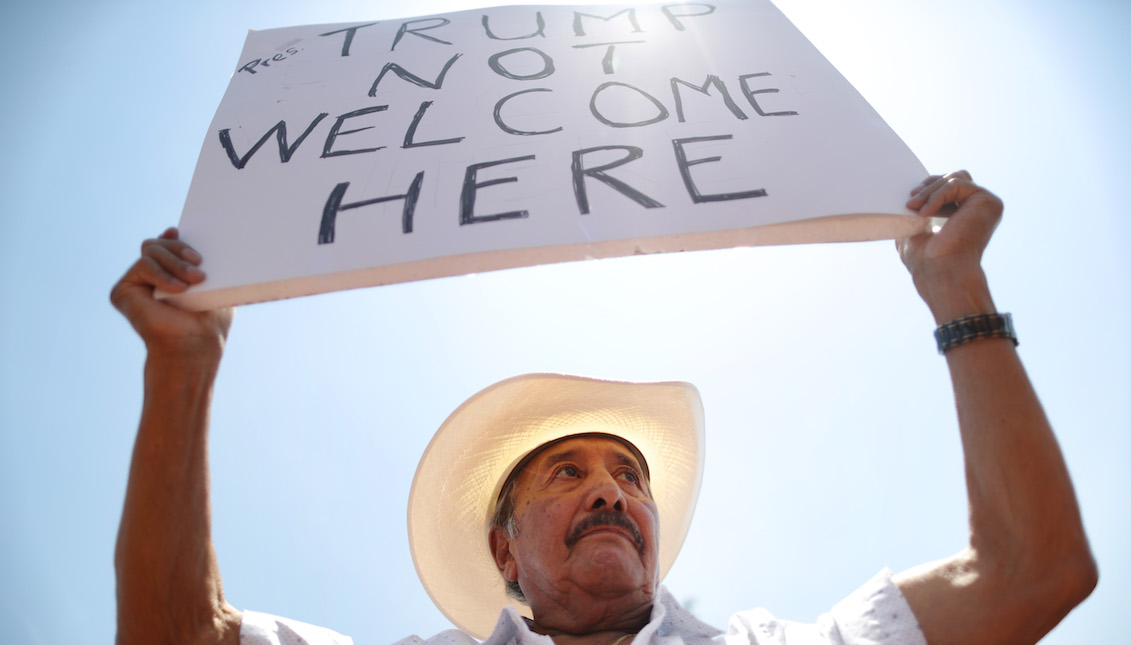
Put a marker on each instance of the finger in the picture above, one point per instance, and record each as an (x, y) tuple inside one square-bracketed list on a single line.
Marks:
[(963, 194), (178, 248), (181, 248), (953, 191), (175, 248), (170, 238), (139, 282), (923, 184), (934, 182), (174, 264), (153, 274), (917, 201)]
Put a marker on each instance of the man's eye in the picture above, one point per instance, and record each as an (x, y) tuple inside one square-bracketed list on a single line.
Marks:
[(630, 477), (567, 471)]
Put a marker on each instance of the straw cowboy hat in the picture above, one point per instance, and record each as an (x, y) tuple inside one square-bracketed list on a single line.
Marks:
[(464, 467)]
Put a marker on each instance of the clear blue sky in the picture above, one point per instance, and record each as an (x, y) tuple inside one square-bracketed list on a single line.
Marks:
[(832, 448)]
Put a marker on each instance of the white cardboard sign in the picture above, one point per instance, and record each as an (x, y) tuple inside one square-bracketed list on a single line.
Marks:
[(368, 153)]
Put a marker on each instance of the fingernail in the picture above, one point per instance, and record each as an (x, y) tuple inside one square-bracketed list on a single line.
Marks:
[(191, 255)]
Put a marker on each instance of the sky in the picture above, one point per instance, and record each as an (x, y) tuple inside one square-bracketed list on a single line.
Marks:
[(832, 447)]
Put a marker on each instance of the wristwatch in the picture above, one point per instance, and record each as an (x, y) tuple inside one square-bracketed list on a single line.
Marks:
[(968, 328)]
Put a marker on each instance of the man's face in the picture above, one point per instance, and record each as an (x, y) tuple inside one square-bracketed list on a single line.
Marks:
[(585, 522)]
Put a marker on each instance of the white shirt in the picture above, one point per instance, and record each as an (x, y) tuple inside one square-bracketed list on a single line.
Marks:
[(874, 614)]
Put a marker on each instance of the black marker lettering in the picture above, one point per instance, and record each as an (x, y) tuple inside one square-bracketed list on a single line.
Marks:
[(280, 132), (685, 172), (703, 89), (411, 133), (349, 32), (470, 185), (579, 29), (509, 130), (675, 17), (538, 32), (416, 32), (661, 111), (580, 172), (494, 62), (334, 206), (406, 75), (607, 62), (334, 132), (250, 67), (750, 95)]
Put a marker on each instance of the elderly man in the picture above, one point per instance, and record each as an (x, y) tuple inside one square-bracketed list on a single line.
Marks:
[(555, 489)]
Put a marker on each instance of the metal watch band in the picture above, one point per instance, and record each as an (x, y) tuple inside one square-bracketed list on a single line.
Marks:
[(968, 328)]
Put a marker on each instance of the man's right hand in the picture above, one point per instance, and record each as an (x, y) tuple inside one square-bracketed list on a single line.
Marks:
[(169, 264)]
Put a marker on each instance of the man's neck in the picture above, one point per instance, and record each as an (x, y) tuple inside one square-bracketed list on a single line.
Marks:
[(596, 638), (599, 623)]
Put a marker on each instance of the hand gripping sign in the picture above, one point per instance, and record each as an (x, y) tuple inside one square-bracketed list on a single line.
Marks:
[(369, 153)]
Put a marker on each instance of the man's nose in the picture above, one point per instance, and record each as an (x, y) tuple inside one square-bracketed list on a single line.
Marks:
[(605, 495)]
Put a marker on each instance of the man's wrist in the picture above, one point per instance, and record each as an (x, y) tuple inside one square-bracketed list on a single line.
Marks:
[(187, 360), (956, 295)]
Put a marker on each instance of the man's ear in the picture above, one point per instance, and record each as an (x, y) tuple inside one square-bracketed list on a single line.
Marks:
[(501, 552)]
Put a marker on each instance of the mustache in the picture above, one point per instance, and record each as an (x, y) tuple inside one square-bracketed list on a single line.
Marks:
[(606, 518)]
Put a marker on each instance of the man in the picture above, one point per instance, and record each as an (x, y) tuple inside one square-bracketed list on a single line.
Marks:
[(508, 470), (586, 543)]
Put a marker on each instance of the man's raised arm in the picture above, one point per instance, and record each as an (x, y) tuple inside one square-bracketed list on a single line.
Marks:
[(1028, 562), (169, 588)]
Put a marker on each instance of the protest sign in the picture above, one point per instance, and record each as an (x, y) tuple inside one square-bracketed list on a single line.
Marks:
[(369, 153)]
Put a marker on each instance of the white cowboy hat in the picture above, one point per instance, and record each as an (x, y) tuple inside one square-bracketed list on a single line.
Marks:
[(470, 457)]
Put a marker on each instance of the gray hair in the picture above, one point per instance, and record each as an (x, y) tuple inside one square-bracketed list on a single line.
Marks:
[(503, 518)]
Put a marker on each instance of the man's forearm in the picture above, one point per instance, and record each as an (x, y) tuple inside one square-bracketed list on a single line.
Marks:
[(1018, 484), (1023, 509), (1028, 563), (169, 587)]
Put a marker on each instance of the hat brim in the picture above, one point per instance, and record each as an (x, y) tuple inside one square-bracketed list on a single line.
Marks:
[(463, 469)]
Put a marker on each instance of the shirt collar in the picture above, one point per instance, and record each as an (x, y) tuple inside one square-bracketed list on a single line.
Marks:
[(668, 617)]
